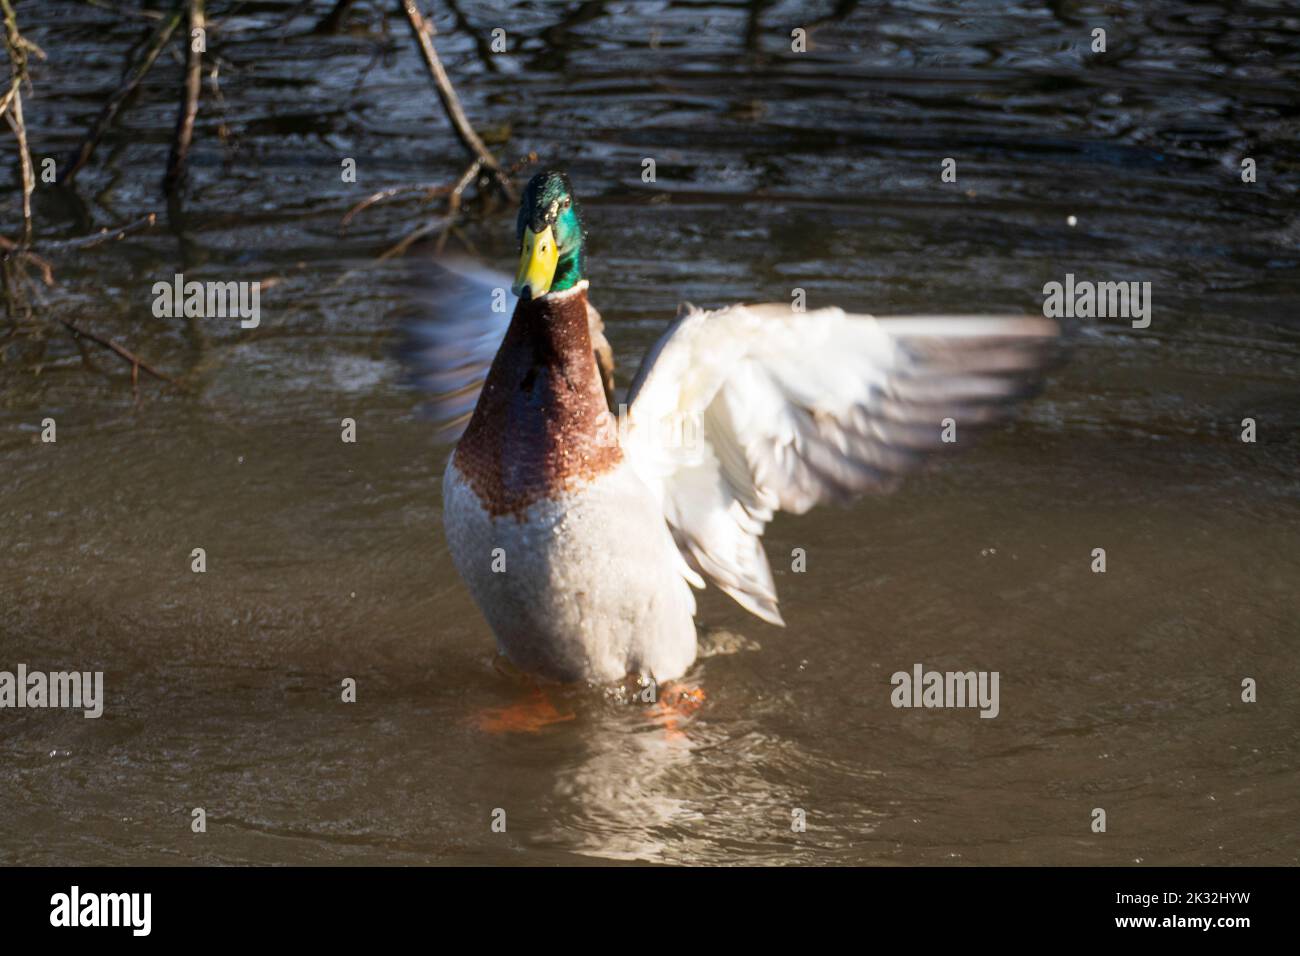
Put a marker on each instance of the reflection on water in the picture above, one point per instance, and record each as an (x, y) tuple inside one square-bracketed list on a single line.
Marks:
[(622, 796), (774, 170)]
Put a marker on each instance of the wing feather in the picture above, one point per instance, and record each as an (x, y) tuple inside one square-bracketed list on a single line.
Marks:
[(742, 412)]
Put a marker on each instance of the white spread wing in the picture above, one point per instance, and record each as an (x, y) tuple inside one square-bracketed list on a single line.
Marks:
[(749, 410)]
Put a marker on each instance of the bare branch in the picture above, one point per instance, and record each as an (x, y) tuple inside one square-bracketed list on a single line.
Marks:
[(15, 120), (423, 31), (440, 226), (18, 47), (189, 100)]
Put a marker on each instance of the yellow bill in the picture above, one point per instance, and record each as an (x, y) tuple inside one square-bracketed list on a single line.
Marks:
[(537, 262)]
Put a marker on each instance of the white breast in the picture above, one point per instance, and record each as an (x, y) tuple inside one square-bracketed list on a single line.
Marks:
[(583, 587)]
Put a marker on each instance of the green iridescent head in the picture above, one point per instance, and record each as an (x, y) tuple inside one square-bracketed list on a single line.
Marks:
[(550, 237)]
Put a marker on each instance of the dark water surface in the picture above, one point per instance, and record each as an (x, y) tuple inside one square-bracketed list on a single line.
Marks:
[(775, 170)]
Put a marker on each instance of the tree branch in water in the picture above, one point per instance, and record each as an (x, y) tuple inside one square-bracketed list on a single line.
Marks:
[(108, 115), (18, 47), (423, 31), (175, 176)]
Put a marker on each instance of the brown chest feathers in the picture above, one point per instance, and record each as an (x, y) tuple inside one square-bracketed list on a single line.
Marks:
[(541, 424)]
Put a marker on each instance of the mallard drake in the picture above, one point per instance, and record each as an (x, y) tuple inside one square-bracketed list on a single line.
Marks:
[(581, 532)]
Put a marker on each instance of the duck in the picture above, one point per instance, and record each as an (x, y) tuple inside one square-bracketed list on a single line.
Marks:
[(582, 526)]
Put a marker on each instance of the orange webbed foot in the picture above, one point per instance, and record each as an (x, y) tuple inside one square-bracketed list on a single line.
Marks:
[(676, 703), (527, 716)]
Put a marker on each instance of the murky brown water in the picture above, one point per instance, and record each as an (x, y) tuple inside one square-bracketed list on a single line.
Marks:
[(775, 170)]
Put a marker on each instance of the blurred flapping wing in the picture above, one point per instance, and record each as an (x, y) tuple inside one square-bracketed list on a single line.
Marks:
[(461, 316)]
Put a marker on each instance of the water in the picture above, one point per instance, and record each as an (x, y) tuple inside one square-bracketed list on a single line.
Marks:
[(774, 170)]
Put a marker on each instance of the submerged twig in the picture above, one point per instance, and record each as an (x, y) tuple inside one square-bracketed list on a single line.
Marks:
[(333, 21), (15, 254), (430, 191), (47, 271), (125, 11), (109, 235), (137, 363), (108, 115), (453, 202), (428, 229), (481, 44), (441, 226)]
